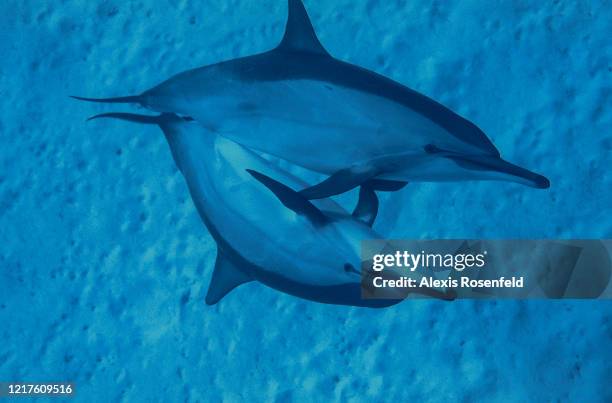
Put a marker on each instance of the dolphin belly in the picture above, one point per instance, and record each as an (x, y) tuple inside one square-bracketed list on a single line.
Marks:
[(341, 294), (252, 220), (316, 124)]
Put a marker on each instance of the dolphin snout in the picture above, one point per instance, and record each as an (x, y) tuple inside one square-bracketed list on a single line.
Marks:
[(521, 175), (542, 182), (495, 168)]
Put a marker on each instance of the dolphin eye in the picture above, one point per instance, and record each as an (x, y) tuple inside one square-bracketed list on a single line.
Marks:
[(350, 268)]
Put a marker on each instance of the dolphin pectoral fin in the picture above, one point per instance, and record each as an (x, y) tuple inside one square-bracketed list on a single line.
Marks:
[(366, 209), (367, 206), (384, 185), (225, 278), (292, 199), (340, 182), (299, 35)]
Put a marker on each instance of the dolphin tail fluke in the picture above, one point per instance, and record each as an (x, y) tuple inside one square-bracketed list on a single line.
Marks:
[(145, 119), (226, 276), (130, 117), (132, 99), (340, 182)]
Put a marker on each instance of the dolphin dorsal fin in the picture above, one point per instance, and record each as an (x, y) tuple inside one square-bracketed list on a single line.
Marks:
[(225, 278), (292, 199), (299, 34)]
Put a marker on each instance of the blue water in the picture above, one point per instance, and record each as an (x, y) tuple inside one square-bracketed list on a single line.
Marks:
[(104, 263)]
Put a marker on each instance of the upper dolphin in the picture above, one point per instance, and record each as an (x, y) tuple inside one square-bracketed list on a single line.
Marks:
[(300, 104), (264, 230)]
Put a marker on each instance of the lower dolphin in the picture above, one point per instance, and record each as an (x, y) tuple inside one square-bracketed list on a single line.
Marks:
[(264, 230)]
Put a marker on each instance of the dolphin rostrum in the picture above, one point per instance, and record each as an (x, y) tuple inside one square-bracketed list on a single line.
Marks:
[(300, 104), (264, 230)]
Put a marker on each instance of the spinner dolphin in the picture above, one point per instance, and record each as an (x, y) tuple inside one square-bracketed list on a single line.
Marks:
[(299, 103), (264, 230)]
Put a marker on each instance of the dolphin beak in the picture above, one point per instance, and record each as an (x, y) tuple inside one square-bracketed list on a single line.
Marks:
[(521, 175), (503, 170)]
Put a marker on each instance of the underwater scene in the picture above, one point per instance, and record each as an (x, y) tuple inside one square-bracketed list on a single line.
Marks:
[(185, 186)]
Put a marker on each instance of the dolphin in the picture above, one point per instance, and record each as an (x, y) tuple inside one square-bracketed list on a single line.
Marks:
[(299, 103), (264, 230)]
